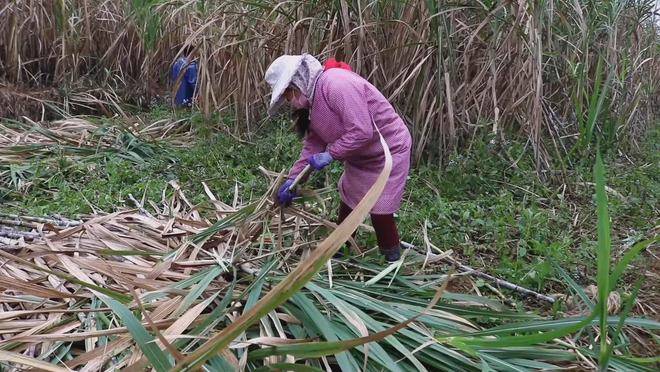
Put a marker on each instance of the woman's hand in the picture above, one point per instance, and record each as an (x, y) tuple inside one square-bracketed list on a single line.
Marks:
[(284, 195), (320, 160)]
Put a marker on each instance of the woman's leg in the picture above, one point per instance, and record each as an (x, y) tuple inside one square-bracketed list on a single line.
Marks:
[(344, 211), (387, 235)]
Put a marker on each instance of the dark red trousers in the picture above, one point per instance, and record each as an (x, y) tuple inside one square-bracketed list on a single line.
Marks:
[(386, 232)]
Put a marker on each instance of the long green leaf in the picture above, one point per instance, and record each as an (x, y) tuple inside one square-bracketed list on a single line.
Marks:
[(383, 273), (545, 325), (346, 362), (226, 222), (574, 286), (501, 364), (604, 363), (604, 247), (533, 364), (532, 353), (469, 343), (630, 255), (182, 284), (621, 363), (318, 349), (197, 290), (394, 296), (277, 367), (212, 319), (372, 351), (595, 102), (219, 364), (158, 359), (256, 286)]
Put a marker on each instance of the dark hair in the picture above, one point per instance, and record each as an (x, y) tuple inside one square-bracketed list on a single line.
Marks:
[(301, 118), (187, 50)]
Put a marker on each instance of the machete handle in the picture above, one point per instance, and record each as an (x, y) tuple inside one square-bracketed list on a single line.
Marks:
[(300, 176)]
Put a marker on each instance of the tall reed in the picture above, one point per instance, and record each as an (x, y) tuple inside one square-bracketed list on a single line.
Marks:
[(564, 73)]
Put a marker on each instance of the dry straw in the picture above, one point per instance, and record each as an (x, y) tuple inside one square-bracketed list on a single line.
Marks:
[(559, 72)]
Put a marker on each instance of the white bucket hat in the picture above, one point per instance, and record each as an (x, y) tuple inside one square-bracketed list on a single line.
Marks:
[(301, 70)]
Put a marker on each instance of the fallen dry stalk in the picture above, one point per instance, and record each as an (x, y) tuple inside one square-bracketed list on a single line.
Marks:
[(500, 282)]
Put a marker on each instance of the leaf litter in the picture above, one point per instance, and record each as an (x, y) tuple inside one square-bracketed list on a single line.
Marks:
[(167, 286)]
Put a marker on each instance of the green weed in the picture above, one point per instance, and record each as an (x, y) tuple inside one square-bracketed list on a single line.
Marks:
[(490, 213)]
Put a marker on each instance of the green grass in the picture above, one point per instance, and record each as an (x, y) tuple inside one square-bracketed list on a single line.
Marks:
[(491, 214)]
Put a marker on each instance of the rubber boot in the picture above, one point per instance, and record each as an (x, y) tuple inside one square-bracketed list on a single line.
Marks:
[(392, 254)]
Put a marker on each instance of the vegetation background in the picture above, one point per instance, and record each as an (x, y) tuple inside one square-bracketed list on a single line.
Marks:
[(509, 103)]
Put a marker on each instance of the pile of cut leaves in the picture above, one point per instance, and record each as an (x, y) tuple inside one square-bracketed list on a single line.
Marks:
[(159, 286), (75, 140), (168, 286)]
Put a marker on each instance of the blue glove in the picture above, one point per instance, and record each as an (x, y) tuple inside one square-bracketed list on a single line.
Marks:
[(285, 196), (320, 160)]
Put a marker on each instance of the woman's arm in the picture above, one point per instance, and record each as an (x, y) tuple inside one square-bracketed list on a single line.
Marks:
[(313, 144)]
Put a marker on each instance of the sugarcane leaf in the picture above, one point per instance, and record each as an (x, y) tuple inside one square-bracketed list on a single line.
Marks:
[(604, 253), (618, 363), (197, 290), (346, 362), (531, 353), (220, 364), (255, 287), (108, 292), (297, 278), (468, 343), (535, 365), (627, 258), (229, 221), (8, 356), (383, 273), (288, 367), (604, 362), (574, 286), (546, 325), (215, 317), (157, 357), (318, 349), (501, 364)]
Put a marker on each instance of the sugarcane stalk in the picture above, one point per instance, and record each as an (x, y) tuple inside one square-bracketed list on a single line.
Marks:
[(15, 234), (140, 206), (58, 222), (32, 225), (500, 282)]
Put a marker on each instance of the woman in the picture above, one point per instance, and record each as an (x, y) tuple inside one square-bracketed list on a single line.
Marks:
[(337, 111)]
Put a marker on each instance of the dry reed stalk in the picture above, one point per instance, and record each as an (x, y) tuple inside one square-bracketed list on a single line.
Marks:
[(450, 69)]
